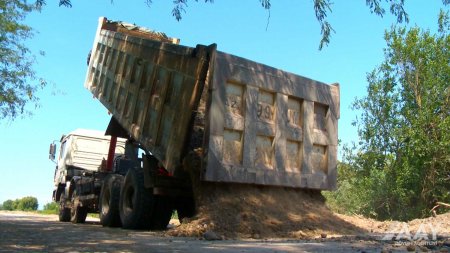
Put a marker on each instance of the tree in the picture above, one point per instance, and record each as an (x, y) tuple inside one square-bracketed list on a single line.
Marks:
[(27, 204), (52, 206), (17, 78), (8, 205), (23, 204), (321, 8), (402, 165)]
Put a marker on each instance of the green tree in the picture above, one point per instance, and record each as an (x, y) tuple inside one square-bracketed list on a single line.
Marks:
[(402, 165), (8, 205), (27, 204), (321, 8), (18, 81), (51, 208)]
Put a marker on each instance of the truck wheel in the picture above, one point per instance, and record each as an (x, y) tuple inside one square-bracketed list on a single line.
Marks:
[(64, 212), (109, 201), (185, 207), (136, 201), (77, 213), (162, 212)]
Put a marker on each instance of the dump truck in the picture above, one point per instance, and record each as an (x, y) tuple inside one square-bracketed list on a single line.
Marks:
[(242, 122)]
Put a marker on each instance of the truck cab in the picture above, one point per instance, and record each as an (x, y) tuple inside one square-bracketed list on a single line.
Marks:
[(81, 151), (81, 165), (92, 176)]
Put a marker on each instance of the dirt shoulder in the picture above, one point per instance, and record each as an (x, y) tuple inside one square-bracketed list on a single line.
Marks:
[(440, 225)]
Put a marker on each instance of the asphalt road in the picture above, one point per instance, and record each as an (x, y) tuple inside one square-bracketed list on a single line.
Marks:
[(29, 232)]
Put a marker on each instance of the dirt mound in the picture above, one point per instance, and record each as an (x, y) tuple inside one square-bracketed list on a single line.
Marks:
[(248, 211)]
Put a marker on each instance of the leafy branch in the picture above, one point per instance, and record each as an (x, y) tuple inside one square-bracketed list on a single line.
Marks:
[(17, 77), (321, 9)]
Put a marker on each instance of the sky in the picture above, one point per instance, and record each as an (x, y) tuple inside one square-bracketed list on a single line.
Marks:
[(286, 38)]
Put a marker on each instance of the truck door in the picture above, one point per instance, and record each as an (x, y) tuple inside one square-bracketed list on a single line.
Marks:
[(61, 167)]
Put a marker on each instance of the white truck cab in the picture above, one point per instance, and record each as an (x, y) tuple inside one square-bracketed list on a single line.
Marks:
[(80, 151)]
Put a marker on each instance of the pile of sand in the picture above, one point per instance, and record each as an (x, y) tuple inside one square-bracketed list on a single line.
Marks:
[(249, 211)]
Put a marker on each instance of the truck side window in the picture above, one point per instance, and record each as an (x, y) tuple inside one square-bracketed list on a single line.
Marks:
[(62, 149)]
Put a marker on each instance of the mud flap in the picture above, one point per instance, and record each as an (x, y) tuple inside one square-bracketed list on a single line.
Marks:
[(149, 163)]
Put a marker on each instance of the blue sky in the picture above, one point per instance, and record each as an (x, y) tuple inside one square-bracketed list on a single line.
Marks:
[(290, 42)]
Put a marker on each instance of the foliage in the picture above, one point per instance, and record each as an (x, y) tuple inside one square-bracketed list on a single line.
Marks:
[(94, 215), (17, 78), (27, 204), (50, 208), (174, 215), (8, 205), (401, 166), (24, 204), (321, 9)]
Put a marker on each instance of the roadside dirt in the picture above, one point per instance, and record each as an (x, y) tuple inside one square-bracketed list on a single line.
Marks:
[(440, 224), (248, 212)]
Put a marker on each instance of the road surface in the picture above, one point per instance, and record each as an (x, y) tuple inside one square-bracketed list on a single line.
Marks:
[(30, 232)]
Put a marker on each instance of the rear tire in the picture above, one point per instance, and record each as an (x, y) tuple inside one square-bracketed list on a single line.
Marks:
[(136, 201), (162, 212), (64, 212), (109, 201), (78, 213)]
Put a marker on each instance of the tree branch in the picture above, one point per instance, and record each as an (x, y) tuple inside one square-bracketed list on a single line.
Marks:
[(321, 8)]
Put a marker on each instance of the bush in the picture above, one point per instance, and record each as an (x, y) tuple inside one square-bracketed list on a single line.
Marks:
[(399, 168), (24, 204), (27, 204), (51, 208), (8, 205)]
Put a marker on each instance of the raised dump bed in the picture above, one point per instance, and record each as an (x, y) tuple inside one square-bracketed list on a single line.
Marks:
[(249, 122)]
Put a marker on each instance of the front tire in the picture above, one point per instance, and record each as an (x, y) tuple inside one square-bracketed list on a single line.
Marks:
[(78, 213), (136, 201), (109, 201), (64, 211)]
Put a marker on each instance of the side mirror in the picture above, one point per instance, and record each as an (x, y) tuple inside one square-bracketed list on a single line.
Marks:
[(52, 152)]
